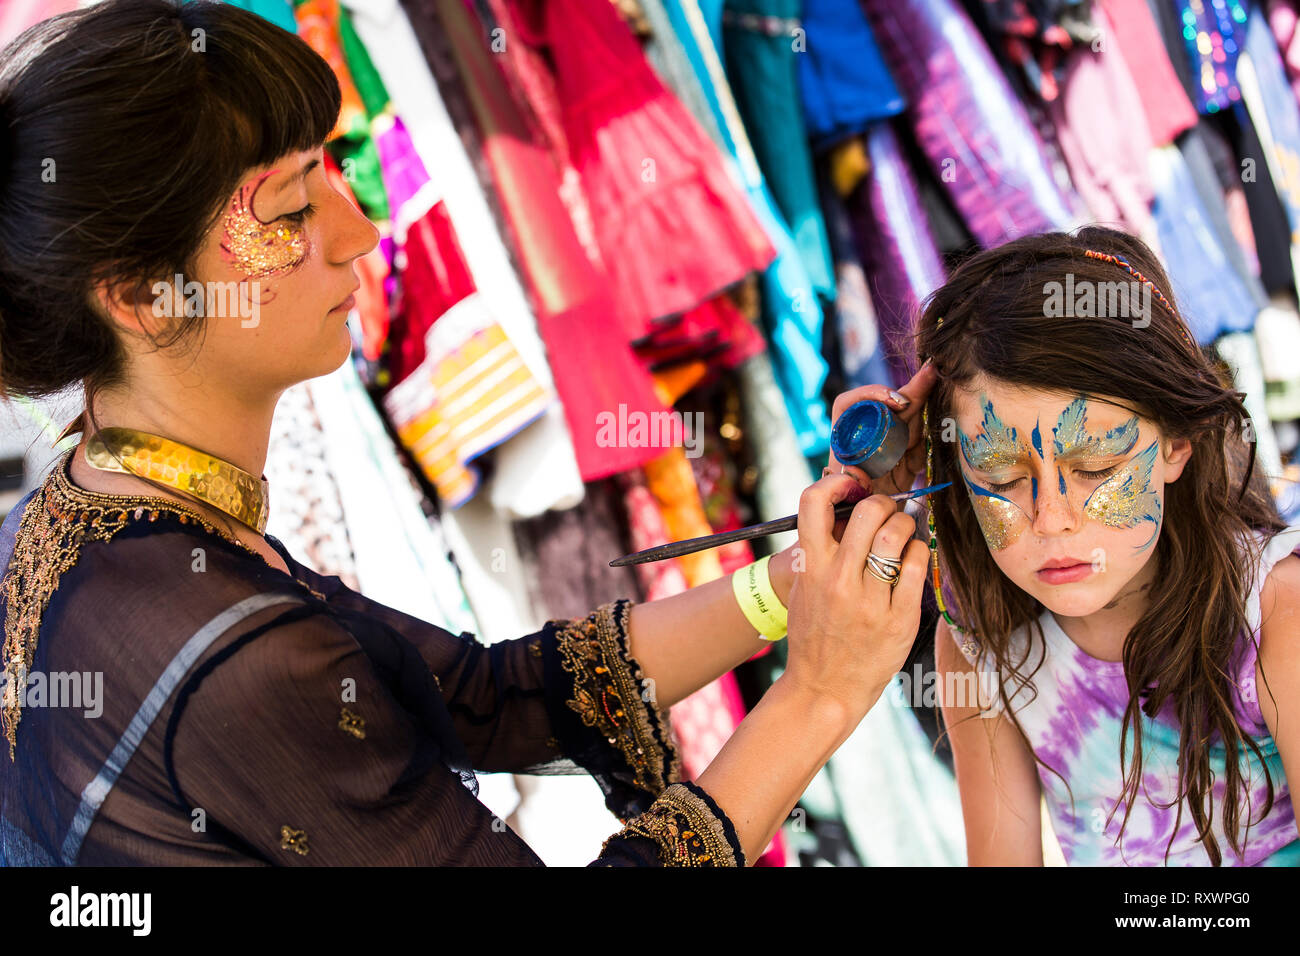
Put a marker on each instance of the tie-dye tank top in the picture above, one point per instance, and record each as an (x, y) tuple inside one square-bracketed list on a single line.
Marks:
[(1074, 726)]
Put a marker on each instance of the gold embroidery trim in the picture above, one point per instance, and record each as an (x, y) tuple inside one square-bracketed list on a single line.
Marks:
[(607, 684), (295, 840), (685, 829), (58, 520), (353, 724)]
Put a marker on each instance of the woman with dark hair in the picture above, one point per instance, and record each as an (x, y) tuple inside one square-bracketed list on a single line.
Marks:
[(1110, 557), (253, 711)]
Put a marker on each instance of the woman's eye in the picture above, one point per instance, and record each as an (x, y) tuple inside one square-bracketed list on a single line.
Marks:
[(301, 215)]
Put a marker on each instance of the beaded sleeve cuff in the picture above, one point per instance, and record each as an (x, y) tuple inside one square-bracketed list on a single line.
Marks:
[(688, 829), (612, 696)]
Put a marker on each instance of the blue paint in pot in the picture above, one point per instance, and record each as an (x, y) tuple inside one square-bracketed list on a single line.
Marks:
[(869, 435)]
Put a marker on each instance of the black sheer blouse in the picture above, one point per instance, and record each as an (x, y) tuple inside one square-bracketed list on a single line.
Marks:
[(173, 699)]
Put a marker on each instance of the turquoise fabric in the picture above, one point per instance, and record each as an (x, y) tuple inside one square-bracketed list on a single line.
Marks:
[(764, 72), (279, 12), (792, 313)]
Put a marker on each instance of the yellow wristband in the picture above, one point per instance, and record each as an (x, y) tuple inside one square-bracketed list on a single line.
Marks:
[(758, 601)]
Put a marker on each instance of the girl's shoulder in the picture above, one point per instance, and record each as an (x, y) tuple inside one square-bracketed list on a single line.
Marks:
[(1273, 574), (1271, 550)]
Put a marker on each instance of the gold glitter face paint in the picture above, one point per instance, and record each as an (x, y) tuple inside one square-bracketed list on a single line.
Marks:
[(261, 250), (1002, 521), (1126, 498), (996, 446), (1072, 440)]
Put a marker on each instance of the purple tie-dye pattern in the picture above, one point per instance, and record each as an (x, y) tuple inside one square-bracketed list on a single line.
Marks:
[(1074, 726)]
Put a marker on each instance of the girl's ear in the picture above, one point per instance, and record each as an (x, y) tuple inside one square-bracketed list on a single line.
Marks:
[(1176, 457)]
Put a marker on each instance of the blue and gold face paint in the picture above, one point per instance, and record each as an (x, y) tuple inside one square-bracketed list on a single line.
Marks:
[(1001, 520), (996, 447), (1127, 498), (1124, 500), (1071, 440)]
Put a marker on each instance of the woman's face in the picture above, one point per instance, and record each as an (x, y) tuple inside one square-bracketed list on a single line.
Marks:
[(277, 276), (1055, 477)]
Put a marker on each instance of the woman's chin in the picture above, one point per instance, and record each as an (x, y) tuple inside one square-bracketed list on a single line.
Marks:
[(334, 353)]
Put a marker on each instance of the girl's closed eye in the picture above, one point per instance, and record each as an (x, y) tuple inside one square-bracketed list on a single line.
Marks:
[(1087, 475), (1004, 486)]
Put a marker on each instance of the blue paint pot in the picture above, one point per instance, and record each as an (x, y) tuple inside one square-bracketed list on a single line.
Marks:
[(869, 435)]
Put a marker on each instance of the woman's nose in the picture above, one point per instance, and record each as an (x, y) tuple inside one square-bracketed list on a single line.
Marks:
[(354, 234)]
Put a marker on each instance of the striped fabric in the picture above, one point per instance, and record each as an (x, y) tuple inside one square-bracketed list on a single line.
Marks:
[(461, 385), (471, 392)]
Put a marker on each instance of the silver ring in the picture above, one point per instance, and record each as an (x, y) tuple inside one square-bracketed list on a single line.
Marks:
[(871, 569), (882, 569), (892, 562)]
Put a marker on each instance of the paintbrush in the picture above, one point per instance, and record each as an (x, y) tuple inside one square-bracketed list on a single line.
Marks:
[(676, 549)]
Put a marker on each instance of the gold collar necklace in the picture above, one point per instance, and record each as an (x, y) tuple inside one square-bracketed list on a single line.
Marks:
[(209, 479)]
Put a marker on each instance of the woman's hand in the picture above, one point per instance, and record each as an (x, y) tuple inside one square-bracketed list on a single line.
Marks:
[(903, 475), (849, 631)]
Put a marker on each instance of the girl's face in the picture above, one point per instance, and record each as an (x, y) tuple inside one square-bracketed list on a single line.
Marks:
[(1056, 478), (282, 253)]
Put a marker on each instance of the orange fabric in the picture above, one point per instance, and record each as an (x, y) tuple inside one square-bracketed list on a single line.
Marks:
[(318, 26)]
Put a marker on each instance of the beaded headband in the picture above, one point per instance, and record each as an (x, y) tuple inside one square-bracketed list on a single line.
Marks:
[(1121, 261)]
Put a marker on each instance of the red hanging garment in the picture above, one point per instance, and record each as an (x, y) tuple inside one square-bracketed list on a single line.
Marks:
[(673, 228), (595, 370)]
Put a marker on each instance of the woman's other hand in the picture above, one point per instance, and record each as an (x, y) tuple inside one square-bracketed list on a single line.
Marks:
[(903, 475)]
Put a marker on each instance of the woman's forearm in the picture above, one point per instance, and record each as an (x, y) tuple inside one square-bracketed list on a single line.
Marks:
[(685, 641), (761, 772)]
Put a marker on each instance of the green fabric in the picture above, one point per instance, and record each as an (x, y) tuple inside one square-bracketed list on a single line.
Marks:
[(359, 160), (374, 95), (764, 77)]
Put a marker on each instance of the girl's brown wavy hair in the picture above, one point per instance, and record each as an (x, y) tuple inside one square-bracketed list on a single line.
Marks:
[(1179, 653)]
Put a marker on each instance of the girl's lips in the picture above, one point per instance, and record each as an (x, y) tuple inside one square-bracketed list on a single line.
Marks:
[(1064, 575), (346, 305)]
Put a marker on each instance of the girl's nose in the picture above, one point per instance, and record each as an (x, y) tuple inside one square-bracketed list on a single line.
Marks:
[(1054, 511)]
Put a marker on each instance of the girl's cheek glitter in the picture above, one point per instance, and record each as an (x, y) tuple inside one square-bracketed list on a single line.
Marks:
[(1126, 499), (259, 249), (1001, 520)]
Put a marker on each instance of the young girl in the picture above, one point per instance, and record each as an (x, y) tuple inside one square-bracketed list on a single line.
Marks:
[(1109, 549)]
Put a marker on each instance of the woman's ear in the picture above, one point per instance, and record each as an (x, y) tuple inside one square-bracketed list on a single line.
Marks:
[(1176, 456), (139, 308)]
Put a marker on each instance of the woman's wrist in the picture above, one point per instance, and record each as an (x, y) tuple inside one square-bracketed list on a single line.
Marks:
[(825, 712), (780, 571)]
